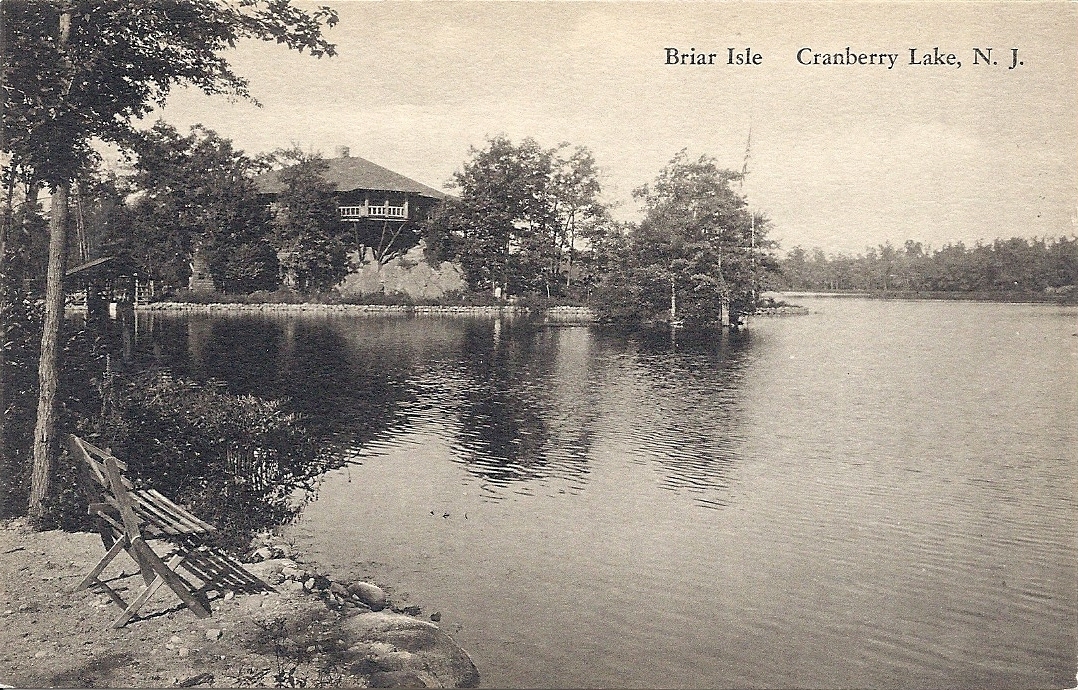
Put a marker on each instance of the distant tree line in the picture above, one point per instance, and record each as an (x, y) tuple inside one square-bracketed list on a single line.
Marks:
[(1016, 265)]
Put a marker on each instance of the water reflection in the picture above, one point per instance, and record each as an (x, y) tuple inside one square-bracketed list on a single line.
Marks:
[(897, 480), (516, 402), (688, 421), (244, 353), (350, 393), (521, 416)]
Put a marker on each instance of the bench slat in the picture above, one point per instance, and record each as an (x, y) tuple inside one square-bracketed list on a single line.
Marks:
[(168, 514), (162, 520), (180, 511), (158, 517), (152, 522)]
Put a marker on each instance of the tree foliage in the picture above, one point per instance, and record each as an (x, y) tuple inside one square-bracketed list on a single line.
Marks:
[(191, 194), (696, 249), (118, 60), (519, 211), (309, 231)]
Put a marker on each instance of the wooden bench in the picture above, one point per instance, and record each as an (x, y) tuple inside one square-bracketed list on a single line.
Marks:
[(131, 516)]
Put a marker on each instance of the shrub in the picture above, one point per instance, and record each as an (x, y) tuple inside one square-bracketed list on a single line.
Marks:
[(21, 319), (247, 268), (235, 461), (631, 298), (239, 462)]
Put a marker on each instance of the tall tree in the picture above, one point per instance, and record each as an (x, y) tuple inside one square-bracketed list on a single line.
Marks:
[(692, 253), (309, 228), (517, 214), (196, 193), (577, 208), (78, 70)]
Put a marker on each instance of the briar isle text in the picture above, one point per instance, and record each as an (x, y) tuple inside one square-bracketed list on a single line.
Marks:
[(810, 57)]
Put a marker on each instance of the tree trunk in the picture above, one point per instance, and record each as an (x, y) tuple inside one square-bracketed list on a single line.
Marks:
[(49, 364), (673, 302), (6, 470), (572, 244)]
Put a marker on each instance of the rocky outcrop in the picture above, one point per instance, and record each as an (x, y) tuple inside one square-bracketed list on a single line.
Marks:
[(394, 651), (372, 640), (409, 275)]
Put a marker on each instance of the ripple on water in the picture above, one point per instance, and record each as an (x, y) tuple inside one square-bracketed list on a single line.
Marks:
[(879, 494)]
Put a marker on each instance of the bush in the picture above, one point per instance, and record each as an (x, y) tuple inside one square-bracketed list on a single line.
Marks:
[(247, 268), (22, 342), (235, 461), (631, 299)]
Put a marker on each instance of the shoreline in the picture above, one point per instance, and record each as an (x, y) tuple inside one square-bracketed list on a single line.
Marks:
[(1063, 298), (559, 314), (552, 315), (302, 628)]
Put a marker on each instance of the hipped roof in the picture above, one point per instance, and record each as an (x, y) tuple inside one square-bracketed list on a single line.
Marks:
[(353, 173), (102, 266)]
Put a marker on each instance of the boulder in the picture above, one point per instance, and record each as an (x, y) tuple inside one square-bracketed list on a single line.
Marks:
[(401, 651), (261, 554), (371, 595)]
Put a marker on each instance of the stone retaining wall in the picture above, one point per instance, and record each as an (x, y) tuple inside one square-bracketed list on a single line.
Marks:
[(568, 314), (553, 315), (388, 309), (790, 310)]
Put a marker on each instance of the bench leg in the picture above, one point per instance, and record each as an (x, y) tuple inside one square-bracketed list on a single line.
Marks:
[(101, 565), (174, 581), (145, 569), (143, 596)]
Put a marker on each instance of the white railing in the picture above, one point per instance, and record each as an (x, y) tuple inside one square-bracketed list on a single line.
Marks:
[(387, 211), (384, 211)]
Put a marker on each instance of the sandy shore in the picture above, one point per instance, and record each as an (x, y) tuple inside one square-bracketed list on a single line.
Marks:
[(304, 628)]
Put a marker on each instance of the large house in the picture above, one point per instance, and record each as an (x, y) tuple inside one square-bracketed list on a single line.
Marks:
[(368, 196), (366, 191)]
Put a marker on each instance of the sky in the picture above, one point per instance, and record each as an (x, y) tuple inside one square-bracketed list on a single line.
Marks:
[(842, 157)]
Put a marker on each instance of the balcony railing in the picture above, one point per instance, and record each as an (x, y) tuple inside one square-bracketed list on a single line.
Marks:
[(383, 211)]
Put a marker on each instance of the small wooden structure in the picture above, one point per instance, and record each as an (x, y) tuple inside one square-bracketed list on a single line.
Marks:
[(104, 280), (131, 517), (111, 289)]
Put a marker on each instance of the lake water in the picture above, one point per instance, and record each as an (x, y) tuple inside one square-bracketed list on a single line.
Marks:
[(878, 494)]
